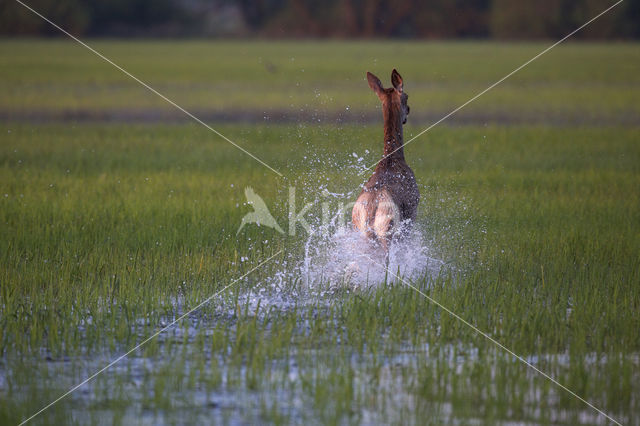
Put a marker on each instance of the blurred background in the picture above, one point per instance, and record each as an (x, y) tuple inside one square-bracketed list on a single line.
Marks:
[(269, 61), (436, 19)]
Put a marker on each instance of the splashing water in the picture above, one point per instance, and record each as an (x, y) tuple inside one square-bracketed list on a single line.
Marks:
[(336, 257), (347, 258), (343, 260)]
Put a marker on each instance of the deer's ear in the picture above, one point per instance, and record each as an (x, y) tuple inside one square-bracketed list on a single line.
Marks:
[(396, 80), (375, 83)]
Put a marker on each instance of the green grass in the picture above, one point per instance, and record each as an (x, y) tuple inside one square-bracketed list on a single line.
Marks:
[(108, 231), (571, 80)]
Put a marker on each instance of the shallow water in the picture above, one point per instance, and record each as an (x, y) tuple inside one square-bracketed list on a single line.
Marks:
[(173, 386)]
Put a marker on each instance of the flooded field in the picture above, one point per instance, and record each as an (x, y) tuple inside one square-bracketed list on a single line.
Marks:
[(112, 231)]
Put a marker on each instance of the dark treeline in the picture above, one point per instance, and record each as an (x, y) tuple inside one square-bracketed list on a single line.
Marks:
[(503, 19)]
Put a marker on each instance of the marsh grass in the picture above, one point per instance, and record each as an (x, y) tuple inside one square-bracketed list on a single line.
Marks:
[(57, 77), (109, 232)]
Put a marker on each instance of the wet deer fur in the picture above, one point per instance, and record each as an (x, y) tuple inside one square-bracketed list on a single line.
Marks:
[(391, 194)]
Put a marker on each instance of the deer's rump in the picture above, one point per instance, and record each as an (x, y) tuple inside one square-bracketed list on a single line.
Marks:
[(381, 208), (375, 214)]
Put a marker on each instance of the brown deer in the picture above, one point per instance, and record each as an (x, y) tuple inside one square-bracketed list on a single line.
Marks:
[(390, 196)]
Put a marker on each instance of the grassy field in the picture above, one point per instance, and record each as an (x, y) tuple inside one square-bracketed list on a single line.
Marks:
[(110, 230), (579, 81)]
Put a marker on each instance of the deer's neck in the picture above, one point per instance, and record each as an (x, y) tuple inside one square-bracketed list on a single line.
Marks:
[(393, 139)]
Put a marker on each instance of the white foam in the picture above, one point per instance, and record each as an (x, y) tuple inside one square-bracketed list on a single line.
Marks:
[(337, 258), (348, 258)]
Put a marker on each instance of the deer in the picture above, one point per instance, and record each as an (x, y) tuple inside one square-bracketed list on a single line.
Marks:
[(390, 197)]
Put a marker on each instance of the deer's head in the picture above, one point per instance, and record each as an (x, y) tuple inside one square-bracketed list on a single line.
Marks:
[(394, 100)]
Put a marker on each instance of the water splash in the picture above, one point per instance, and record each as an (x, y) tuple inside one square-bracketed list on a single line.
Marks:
[(334, 258), (345, 257)]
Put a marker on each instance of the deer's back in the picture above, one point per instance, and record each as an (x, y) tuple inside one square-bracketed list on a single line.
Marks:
[(396, 177)]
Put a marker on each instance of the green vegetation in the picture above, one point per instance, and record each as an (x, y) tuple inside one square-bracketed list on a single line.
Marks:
[(579, 81), (108, 231)]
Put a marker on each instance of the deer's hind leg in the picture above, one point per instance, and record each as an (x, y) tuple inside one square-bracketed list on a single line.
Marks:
[(362, 214), (387, 217)]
